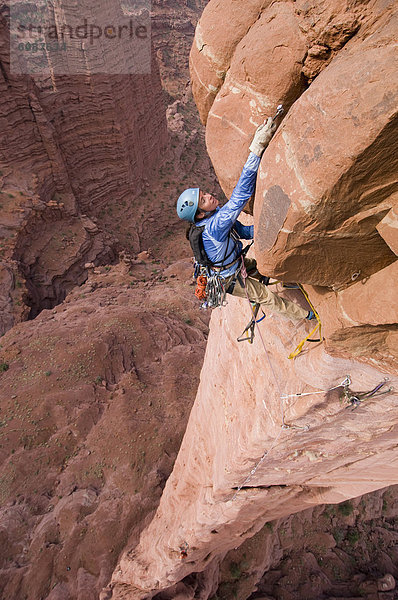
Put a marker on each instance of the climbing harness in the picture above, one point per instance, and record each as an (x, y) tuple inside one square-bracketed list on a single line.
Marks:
[(308, 338), (211, 289), (195, 238), (355, 399)]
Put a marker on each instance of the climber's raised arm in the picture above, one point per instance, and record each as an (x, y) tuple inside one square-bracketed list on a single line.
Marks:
[(194, 204), (226, 216)]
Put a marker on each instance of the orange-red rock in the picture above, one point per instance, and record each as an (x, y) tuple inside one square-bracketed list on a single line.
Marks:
[(388, 228), (265, 70), (213, 46), (69, 146), (235, 438), (312, 222), (324, 182), (373, 301)]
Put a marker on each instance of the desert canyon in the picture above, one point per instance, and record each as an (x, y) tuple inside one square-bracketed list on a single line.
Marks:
[(145, 453)]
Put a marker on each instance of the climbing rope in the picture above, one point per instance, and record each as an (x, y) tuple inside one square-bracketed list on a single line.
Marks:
[(243, 274), (253, 471), (345, 384), (353, 399)]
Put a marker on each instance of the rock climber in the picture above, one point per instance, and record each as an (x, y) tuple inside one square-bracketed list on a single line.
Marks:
[(222, 231)]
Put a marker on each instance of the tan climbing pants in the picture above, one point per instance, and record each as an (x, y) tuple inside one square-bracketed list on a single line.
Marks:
[(258, 292)]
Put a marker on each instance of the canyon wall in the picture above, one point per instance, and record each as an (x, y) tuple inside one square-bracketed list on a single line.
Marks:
[(269, 436), (173, 27), (95, 392), (71, 145)]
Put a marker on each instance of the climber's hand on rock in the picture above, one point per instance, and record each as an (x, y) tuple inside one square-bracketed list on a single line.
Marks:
[(262, 137)]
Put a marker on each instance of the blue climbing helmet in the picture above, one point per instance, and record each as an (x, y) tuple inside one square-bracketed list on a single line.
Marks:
[(187, 204)]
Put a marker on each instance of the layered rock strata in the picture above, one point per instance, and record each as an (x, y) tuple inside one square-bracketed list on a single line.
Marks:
[(172, 31), (70, 146)]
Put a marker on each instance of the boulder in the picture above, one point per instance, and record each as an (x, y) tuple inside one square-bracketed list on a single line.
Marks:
[(325, 180), (213, 47), (386, 583), (265, 71)]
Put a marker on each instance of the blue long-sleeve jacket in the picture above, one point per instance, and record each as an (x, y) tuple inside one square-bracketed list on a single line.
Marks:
[(216, 240)]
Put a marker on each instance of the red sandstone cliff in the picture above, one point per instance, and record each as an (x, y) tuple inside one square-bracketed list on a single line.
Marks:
[(173, 27), (324, 215)]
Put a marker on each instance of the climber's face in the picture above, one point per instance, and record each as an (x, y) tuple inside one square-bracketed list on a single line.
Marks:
[(207, 203)]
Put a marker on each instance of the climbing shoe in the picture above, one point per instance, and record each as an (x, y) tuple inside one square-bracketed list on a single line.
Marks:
[(311, 315)]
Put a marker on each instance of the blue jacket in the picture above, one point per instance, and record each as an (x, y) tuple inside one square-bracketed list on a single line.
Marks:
[(216, 240)]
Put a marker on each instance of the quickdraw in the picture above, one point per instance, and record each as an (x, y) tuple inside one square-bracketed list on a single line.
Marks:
[(344, 384), (215, 291), (354, 399), (250, 327), (210, 288)]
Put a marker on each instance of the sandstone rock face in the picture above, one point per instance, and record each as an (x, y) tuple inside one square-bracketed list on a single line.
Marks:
[(267, 436), (336, 175), (172, 31), (213, 46), (266, 66), (235, 472), (329, 175), (44, 249), (325, 203), (92, 132)]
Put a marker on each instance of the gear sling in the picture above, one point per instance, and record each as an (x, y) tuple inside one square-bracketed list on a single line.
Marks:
[(210, 287)]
